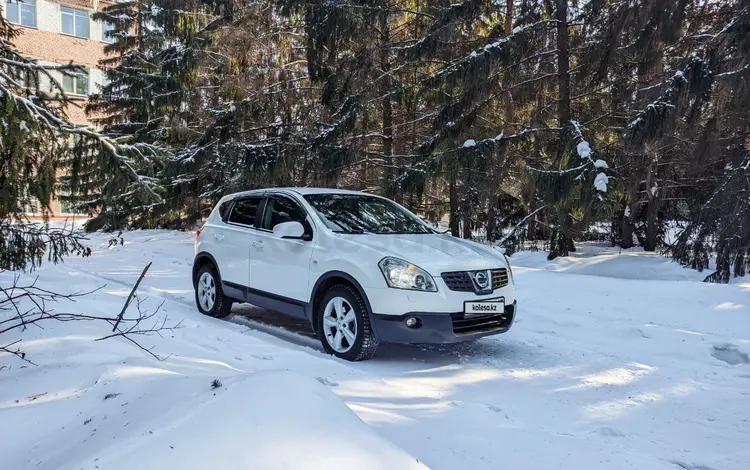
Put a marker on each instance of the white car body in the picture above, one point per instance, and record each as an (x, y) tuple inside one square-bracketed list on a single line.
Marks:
[(257, 266)]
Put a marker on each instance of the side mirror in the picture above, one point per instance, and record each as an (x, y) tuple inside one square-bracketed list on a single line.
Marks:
[(290, 230)]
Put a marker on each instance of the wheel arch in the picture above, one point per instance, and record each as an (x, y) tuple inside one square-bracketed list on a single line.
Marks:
[(325, 282), (201, 259)]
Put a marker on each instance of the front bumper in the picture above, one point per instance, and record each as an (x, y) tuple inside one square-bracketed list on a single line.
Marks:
[(442, 327)]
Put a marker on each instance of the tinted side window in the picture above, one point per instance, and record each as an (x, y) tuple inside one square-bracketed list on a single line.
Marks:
[(223, 208), (280, 210), (244, 211)]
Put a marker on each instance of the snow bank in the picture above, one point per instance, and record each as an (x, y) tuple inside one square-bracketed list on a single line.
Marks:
[(599, 259), (265, 421)]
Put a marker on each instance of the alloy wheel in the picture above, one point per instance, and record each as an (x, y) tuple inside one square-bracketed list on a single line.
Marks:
[(339, 324), (207, 291)]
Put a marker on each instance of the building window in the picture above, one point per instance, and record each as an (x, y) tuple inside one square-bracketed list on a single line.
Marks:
[(76, 83), (68, 203), (107, 30), (67, 206), (104, 81), (75, 22), (21, 12), (31, 205)]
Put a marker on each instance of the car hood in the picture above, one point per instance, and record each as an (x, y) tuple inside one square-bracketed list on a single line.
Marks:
[(432, 252)]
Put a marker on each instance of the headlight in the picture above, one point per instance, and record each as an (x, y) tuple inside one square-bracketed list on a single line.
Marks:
[(510, 271), (402, 275)]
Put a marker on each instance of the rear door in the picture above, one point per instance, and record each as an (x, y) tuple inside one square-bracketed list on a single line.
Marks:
[(282, 266), (236, 245)]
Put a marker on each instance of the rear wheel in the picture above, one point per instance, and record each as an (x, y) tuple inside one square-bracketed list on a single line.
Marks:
[(209, 297), (344, 324)]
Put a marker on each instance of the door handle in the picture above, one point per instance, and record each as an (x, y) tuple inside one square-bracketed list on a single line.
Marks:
[(218, 236), (258, 244)]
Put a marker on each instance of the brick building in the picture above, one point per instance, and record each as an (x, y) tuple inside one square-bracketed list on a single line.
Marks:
[(61, 32)]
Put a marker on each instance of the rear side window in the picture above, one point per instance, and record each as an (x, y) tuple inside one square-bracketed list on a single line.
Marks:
[(280, 210), (245, 210), (224, 209)]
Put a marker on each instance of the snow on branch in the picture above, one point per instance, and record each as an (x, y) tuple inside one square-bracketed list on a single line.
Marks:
[(730, 73), (491, 142), (432, 37), (46, 110), (659, 116), (504, 50), (421, 169), (585, 153)]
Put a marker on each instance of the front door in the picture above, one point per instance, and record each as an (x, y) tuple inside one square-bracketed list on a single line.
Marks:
[(281, 267)]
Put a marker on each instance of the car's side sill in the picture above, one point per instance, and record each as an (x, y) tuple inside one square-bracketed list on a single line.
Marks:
[(233, 291), (278, 303)]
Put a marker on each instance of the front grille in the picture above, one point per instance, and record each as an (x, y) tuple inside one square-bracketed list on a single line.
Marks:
[(460, 281), (499, 278), (463, 325)]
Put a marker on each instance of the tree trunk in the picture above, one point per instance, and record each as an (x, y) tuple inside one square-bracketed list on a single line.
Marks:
[(498, 162), (139, 27), (453, 195), (493, 190), (386, 104), (562, 240), (563, 63), (626, 233), (466, 221), (509, 16), (652, 210), (652, 225), (627, 223), (531, 225), (491, 209)]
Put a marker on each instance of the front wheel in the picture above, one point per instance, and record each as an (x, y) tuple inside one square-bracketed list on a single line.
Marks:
[(209, 296), (344, 324)]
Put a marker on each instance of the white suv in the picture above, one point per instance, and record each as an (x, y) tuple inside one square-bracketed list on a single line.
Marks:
[(360, 268)]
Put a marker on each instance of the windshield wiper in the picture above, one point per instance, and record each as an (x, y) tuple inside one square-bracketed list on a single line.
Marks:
[(351, 232), (404, 233)]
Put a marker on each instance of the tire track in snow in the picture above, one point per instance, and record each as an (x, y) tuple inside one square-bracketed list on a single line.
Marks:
[(238, 319)]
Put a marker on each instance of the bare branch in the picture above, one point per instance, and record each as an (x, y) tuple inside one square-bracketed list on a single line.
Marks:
[(15, 352), (25, 305), (130, 297)]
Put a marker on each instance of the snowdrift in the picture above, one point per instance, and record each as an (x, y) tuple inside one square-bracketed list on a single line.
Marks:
[(263, 421)]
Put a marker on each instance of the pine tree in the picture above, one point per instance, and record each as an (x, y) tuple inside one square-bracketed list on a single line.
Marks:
[(250, 118), (465, 97), (150, 69), (711, 93), (37, 140)]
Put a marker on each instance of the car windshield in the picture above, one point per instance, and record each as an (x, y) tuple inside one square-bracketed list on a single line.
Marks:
[(359, 213)]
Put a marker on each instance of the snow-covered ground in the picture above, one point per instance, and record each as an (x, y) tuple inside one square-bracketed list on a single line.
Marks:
[(617, 361)]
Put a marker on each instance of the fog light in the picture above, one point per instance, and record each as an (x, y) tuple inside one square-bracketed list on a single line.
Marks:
[(413, 322)]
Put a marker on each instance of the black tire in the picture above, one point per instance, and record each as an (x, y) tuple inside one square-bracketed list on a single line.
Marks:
[(365, 342), (222, 305)]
